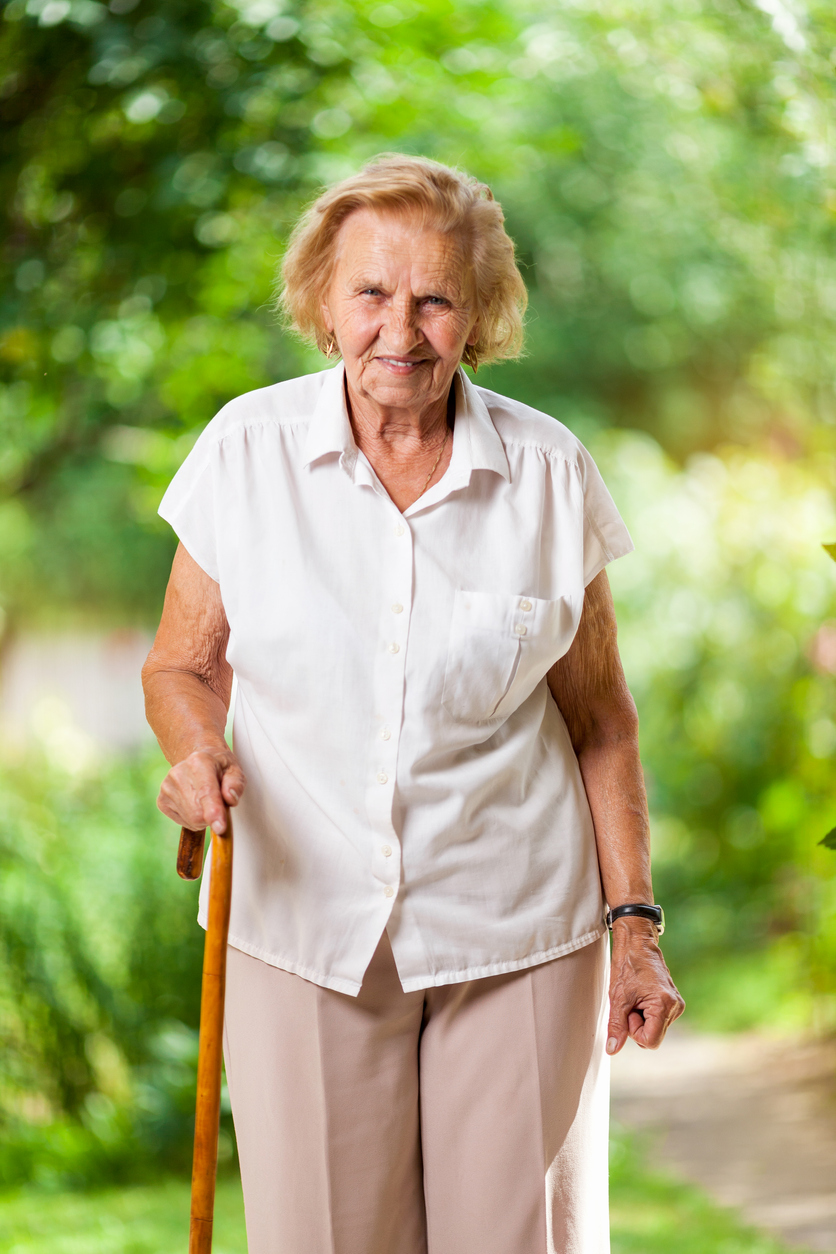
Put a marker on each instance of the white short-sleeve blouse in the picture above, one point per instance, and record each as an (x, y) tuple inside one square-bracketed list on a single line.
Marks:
[(407, 766)]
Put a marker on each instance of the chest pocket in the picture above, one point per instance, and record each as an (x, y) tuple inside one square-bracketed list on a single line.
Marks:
[(500, 648)]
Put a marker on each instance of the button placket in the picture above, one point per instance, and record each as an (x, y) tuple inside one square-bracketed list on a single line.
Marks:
[(524, 608), (389, 685)]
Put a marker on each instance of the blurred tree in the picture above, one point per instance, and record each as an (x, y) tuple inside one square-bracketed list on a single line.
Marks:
[(726, 630), (99, 980), (665, 169), (151, 162), (677, 208)]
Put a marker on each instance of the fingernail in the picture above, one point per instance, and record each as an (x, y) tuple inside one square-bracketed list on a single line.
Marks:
[(233, 794), (217, 827), (612, 1045)]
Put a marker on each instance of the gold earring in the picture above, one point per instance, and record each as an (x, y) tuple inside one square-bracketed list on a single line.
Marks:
[(330, 349)]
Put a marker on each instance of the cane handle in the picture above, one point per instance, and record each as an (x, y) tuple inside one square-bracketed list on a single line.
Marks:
[(190, 854)]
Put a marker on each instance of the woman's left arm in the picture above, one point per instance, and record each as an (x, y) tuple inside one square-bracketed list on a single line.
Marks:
[(591, 692)]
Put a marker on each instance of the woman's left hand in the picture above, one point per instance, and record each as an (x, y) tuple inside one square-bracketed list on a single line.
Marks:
[(644, 1000)]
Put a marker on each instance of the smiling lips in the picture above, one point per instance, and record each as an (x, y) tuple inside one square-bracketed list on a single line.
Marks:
[(402, 363)]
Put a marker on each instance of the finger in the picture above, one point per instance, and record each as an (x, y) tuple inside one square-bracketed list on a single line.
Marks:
[(635, 1022), (648, 1030), (171, 811), (617, 1030), (233, 784), (177, 807), (191, 796), (213, 810)]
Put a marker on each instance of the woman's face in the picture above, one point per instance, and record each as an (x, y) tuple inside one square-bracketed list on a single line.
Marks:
[(400, 308)]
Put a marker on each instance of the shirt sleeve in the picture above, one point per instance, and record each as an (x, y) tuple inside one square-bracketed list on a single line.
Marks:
[(189, 505), (605, 537)]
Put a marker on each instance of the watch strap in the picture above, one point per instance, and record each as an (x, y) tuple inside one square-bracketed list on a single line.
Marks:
[(655, 914)]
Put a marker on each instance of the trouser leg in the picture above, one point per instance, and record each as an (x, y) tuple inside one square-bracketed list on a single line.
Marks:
[(514, 1093), (324, 1091)]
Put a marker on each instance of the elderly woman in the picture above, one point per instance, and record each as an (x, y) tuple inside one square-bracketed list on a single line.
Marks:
[(436, 767)]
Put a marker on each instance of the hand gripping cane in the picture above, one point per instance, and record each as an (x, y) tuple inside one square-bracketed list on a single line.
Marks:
[(210, 1048)]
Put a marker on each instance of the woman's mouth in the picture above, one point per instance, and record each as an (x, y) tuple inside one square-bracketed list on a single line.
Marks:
[(402, 364)]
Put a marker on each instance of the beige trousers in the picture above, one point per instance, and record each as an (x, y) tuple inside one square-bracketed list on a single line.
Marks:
[(466, 1119)]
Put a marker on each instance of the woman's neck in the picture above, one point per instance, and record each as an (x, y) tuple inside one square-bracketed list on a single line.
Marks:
[(391, 428), (403, 447)]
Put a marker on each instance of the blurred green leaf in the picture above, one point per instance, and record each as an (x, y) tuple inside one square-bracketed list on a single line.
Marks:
[(668, 175), (666, 172)]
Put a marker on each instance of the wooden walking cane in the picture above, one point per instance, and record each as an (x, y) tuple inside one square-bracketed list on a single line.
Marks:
[(210, 1047)]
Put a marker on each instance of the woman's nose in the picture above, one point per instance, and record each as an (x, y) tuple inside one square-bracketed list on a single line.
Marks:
[(401, 328)]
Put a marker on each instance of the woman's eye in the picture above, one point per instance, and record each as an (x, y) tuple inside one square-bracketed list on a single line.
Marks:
[(370, 291), (436, 300)]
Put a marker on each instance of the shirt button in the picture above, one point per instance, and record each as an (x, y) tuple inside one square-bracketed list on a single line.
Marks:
[(399, 529), (397, 608), (525, 605), (394, 648), (388, 891), (521, 629), (382, 777), (385, 734), (387, 851)]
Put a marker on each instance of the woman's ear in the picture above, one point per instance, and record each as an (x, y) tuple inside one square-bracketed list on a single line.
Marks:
[(327, 320)]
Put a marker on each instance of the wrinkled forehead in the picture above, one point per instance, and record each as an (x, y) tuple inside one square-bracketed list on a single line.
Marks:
[(394, 237)]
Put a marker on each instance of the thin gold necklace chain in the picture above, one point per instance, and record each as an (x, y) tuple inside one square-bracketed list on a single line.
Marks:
[(437, 460)]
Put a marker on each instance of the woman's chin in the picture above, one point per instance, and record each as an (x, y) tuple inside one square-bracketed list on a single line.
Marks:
[(386, 385)]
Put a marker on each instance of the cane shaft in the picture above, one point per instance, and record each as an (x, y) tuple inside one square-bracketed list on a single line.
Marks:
[(210, 1051)]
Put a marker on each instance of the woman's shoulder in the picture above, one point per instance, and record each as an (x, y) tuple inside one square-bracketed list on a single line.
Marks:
[(520, 425), (286, 404)]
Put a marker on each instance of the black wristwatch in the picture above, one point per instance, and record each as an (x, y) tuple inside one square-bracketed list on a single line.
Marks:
[(655, 913)]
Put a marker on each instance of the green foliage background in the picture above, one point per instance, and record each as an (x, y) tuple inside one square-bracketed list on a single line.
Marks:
[(666, 167)]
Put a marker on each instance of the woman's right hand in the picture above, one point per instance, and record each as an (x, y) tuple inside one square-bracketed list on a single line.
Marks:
[(197, 790)]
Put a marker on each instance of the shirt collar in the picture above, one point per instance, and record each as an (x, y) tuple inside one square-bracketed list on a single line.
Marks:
[(476, 442), (476, 446), (482, 446), (329, 430)]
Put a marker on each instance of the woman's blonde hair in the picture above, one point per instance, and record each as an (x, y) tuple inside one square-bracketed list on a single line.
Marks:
[(447, 200)]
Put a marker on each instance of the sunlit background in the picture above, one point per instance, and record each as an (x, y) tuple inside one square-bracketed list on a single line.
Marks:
[(667, 170)]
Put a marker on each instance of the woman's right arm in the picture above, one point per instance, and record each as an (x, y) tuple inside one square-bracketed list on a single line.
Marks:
[(188, 684)]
